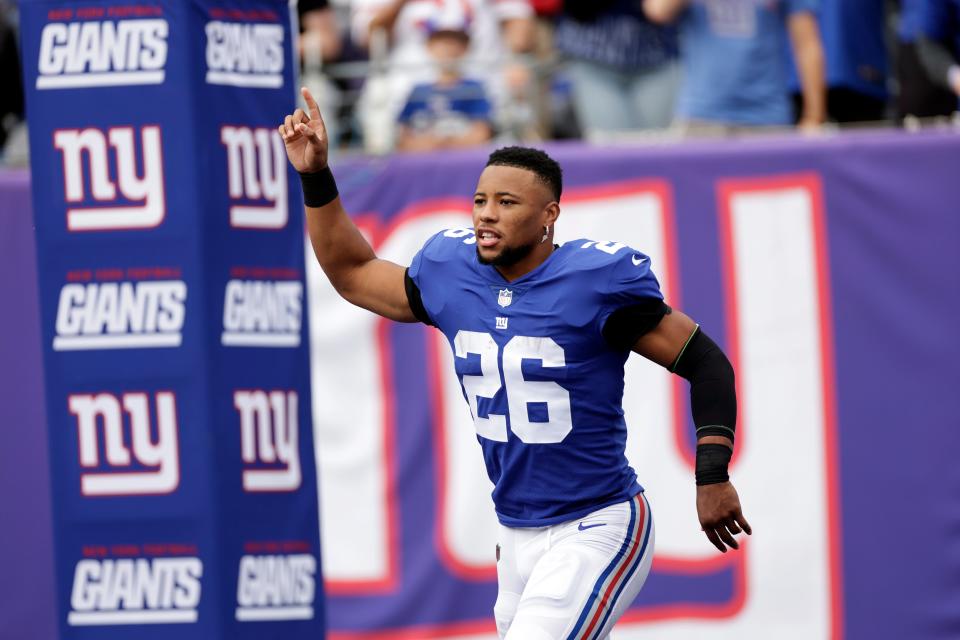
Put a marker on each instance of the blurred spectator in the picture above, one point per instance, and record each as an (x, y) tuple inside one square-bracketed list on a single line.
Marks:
[(856, 60), (547, 7), (319, 30), (450, 112), (939, 43), (496, 28), (321, 43), (735, 71), (919, 95), (11, 97), (552, 94), (624, 69)]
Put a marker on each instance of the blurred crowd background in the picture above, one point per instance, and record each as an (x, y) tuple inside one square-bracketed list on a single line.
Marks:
[(421, 75)]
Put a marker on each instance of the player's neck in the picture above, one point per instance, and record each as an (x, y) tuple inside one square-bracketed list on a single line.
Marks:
[(534, 259)]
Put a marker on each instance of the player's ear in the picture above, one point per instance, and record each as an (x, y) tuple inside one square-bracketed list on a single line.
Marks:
[(551, 213)]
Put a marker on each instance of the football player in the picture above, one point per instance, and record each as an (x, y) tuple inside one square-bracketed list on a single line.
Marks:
[(541, 368)]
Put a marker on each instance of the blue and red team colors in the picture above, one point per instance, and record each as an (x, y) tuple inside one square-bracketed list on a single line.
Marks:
[(544, 386)]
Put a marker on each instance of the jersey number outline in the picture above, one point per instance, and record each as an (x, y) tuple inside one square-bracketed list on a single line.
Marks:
[(520, 391)]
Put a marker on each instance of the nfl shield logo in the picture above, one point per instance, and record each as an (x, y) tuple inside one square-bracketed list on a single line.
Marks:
[(505, 297)]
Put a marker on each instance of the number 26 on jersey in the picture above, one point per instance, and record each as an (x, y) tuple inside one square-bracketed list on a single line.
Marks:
[(519, 391)]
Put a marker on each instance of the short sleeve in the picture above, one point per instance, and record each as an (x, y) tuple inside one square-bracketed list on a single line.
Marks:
[(415, 300), (478, 107), (406, 113), (631, 282), (409, 108), (421, 281), (415, 270), (469, 99), (416, 101)]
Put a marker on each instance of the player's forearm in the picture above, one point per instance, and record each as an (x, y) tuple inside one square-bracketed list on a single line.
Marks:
[(663, 11), (713, 395), (339, 246), (808, 54), (713, 403)]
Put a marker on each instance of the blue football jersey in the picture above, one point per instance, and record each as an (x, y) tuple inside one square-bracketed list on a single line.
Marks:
[(544, 387)]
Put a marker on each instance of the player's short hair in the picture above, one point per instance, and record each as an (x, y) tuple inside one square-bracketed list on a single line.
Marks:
[(543, 166)]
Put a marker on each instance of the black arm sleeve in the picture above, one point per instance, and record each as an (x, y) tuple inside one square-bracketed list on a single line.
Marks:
[(626, 325), (713, 393), (415, 301)]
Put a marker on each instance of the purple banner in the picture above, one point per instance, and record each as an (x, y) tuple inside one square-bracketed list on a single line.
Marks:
[(826, 268), (28, 609)]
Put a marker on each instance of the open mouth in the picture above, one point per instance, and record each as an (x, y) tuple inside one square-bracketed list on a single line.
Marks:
[(487, 238)]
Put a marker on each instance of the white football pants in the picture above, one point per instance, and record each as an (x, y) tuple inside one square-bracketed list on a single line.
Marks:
[(573, 580)]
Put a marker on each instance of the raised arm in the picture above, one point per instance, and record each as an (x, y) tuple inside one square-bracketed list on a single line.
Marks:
[(344, 254), (384, 17), (808, 55), (678, 344)]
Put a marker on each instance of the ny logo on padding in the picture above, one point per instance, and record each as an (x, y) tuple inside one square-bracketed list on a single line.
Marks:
[(268, 439), (140, 451), (125, 188), (257, 177)]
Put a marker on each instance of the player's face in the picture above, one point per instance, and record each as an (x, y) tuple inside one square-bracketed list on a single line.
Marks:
[(510, 209)]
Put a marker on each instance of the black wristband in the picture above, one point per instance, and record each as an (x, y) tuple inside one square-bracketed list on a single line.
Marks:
[(319, 188), (712, 463)]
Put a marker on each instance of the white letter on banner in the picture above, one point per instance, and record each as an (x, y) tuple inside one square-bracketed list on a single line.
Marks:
[(72, 143), (53, 54)]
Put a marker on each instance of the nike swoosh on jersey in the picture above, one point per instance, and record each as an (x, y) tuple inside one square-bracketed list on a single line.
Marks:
[(589, 526), (637, 261)]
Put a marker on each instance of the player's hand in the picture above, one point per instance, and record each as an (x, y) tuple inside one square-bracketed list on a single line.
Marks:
[(305, 137), (718, 507)]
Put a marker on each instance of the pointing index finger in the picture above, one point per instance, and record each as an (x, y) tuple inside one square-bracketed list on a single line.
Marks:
[(311, 104)]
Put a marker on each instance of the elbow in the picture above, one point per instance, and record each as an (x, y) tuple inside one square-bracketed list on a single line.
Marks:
[(703, 360), (343, 285), (349, 284)]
